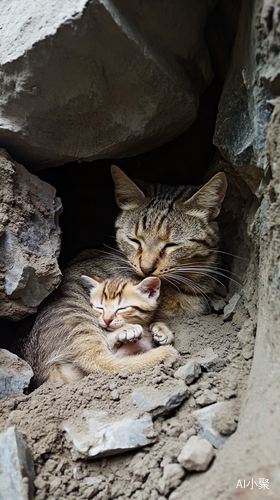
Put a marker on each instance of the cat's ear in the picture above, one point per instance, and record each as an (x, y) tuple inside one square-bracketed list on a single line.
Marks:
[(149, 286), (209, 198), (91, 282), (128, 195)]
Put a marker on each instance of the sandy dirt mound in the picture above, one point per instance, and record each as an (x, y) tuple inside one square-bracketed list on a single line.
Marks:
[(63, 473)]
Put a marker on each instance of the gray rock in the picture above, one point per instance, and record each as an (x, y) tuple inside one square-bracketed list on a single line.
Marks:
[(188, 372), (127, 68), (173, 475), (212, 361), (29, 240), (197, 454), (102, 434), (161, 400), (15, 374), (232, 306), (16, 467), (244, 110), (208, 397), (206, 430)]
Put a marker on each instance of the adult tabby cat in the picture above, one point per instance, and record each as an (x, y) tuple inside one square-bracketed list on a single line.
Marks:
[(171, 232), (68, 339)]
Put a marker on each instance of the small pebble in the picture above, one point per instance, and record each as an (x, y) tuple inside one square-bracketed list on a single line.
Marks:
[(115, 395)]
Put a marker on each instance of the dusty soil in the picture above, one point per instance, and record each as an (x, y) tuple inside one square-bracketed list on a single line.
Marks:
[(63, 474)]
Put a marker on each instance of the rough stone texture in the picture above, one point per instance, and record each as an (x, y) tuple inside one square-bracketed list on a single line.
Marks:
[(197, 454), (160, 401), (103, 435), (212, 361), (16, 467), (188, 372), (206, 430), (257, 439), (29, 240), (172, 476), (243, 109), (15, 374), (92, 79), (232, 306)]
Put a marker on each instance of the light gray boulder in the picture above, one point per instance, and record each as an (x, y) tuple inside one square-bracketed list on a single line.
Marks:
[(15, 374), (82, 80), (160, 401), (197, 454), (99, 434), (188, 372), (16, 467), (29, 240)]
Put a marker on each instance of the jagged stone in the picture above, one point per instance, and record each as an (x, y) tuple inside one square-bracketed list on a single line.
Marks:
[(160, 401), (211, 362), (15, 374), (232, 307), (29, 240), (197, 454), (244, 109), (205, 418), (127, 67), (188, 372), (16, 467), (102, 434)]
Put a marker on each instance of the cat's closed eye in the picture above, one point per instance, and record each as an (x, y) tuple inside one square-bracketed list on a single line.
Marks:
[(167, 246), (137, 242)]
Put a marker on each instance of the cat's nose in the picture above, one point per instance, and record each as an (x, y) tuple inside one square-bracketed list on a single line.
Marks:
[(107, 321), (147, 270)]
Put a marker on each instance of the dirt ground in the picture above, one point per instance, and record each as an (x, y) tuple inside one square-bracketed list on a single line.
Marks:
[(62, 473)]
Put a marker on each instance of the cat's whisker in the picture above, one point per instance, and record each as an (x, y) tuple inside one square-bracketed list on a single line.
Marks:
[(195, 288), (171, 284), (226, 253), (202, 270), (116, 257), (212, 277), (114, 249), (190, 282), (207, 267)]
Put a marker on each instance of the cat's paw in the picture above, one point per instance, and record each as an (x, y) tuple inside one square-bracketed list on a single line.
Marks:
[(130, 333), (162, 335)]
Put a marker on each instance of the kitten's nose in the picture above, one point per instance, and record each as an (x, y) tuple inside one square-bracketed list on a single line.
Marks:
[(107, 321), (147, 270)]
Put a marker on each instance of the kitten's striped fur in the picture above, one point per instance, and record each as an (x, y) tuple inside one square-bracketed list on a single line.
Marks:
[(67, 340), (171, 232)]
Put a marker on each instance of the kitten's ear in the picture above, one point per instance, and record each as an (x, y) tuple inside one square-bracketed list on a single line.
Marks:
[(91, 282), (128, 195), (150, 286), (210, 197)]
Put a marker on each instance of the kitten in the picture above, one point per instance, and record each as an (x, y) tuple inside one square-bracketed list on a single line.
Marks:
[(68, 341), (171, 232), (125, 309)]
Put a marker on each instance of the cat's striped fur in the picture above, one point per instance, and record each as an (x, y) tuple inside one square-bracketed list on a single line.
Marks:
[(171, 232), (67, 340)]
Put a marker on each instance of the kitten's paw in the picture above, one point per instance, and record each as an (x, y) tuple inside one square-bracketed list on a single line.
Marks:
[(162, 335), (130, 333)]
